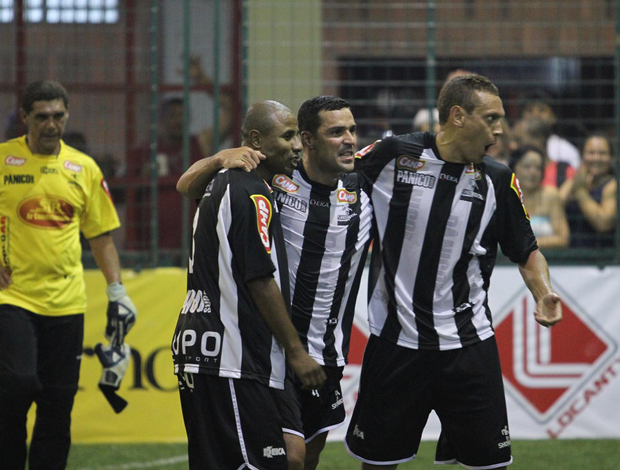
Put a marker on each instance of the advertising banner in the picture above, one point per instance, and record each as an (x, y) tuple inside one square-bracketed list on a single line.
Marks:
[(561, 382)]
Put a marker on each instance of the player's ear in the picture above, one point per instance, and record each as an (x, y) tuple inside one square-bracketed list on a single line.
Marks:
[(255, 138), (457, 116), (307, 139), (23, 115)]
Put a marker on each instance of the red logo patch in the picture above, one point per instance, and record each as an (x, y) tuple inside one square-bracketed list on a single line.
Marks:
[(263, 218), (285, 184), (46, 212), (14, 161), (345, 196), (406, 162), (365, 150), (104, 186), (72, 166), (516, 187)]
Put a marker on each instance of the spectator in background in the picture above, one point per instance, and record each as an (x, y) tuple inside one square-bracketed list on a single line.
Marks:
[(170, 165), (422, 123), (543, 204), (14, 127), (535, 132), (591, 196), (537, 106)]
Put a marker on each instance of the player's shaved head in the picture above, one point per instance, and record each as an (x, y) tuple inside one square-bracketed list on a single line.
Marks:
[(263, 116)]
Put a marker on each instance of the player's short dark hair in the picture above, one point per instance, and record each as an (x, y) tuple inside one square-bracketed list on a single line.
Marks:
[(43, 90), (308, 115), (460, 91)]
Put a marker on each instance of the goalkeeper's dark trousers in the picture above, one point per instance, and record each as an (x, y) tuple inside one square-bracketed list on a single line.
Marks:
[(39, 362)]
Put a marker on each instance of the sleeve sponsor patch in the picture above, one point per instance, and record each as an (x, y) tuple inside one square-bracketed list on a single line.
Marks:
[(516, 187), (366, 149), (263, 218), (104, 186)]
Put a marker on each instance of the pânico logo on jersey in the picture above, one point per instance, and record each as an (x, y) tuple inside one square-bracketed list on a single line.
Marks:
[(407, 171), (46, 212), (263, 218), (553, 373), (284, 183)]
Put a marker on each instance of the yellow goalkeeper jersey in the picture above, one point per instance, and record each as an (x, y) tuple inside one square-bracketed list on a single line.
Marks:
[(45, 200)]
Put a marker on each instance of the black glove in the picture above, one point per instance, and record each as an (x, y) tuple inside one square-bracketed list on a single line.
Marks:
[(122, 314), (114, 361)]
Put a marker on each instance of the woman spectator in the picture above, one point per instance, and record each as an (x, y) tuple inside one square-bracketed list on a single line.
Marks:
[(591, 196), (543, 203)]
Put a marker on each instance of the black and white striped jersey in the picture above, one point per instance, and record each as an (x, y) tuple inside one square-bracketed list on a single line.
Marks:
[(237, 237), (327, 232), (439, 225)]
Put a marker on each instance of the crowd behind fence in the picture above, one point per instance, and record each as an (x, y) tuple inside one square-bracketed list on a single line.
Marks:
[(554, 62)]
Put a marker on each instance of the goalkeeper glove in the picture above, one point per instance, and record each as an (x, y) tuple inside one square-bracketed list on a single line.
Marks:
[(114, 361), (122, 314)]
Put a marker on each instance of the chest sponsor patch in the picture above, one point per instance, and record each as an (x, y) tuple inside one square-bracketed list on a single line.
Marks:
[(409, 163), (14, 161), (69, 165), (284, 183), (346, 196), (18, 179), (264, 212), (46, 212)]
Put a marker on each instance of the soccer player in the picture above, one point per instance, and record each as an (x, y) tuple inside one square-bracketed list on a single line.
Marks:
[(441, 208), (49, 192), (326, 219), (234, 326)]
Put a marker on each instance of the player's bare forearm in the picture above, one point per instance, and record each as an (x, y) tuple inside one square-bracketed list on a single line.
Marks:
[(106, 257), (535, 273), (268, 299), (194, 181)]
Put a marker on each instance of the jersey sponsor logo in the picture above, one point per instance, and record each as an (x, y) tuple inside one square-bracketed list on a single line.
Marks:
[(366, 149), (263, 218), (516, 187), (46, 212), (196, 301), (346, 196), (46, 170), (210, 345), (18, 179), (291, 201), (284, 183), (316, 202), (72, 166), (416, 179), (407, 162), (506, 442), (271, 452), (445, 177), (14, 161)]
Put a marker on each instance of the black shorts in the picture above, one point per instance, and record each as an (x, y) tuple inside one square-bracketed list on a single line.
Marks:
[(40, 351), (399, 387), (231, 423), (308, 413)]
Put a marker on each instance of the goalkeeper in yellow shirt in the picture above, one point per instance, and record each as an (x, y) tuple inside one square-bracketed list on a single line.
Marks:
[(49, 192)]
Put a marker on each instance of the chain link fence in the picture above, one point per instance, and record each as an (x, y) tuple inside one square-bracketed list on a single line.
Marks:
[(132, 66)]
